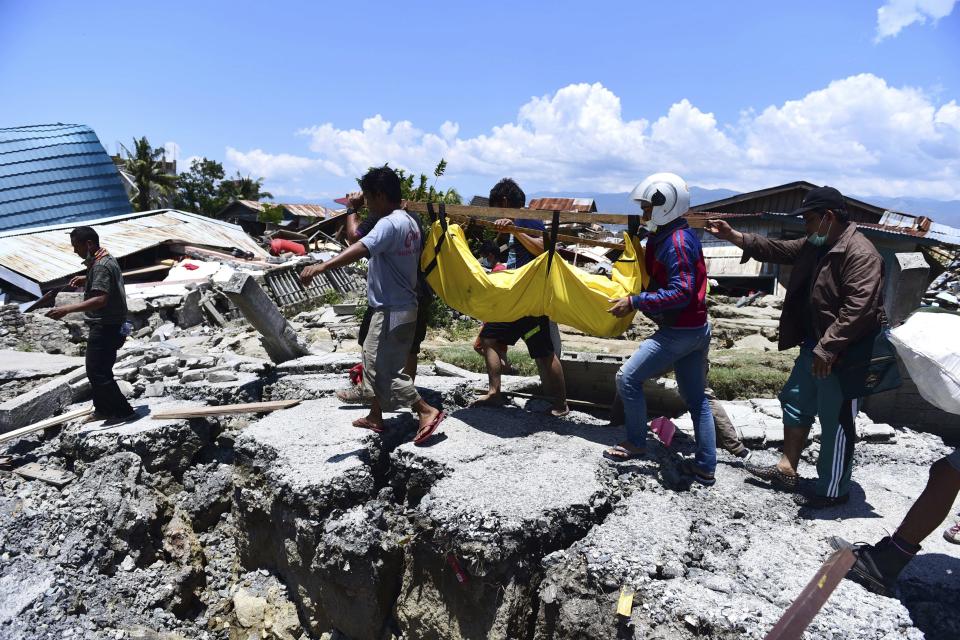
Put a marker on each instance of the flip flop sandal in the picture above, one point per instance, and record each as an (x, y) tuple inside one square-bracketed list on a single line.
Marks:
[(363, 423), (430, 429), (624, 454)]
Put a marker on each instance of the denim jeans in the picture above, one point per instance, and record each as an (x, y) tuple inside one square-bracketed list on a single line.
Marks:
[(102, 345), (685, 350)]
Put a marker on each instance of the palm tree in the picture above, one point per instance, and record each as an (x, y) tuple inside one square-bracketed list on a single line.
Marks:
[(146, 167), (244, 188)]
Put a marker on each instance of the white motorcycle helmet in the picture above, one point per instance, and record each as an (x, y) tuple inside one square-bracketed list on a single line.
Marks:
[(668, 194)]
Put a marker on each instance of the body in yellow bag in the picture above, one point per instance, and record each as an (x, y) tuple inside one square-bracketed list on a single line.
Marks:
[(564, 293)]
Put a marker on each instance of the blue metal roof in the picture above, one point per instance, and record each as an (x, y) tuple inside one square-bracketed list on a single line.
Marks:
[(56, 174)]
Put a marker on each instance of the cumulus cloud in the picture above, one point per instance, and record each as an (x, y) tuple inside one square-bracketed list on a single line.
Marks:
[(896, 15), (859, 134)]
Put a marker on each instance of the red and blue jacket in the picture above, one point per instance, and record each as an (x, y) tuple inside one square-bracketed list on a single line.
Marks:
[(677, 294)]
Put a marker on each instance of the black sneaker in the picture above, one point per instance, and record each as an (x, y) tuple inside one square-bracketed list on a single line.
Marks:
[(117, 420), (865, 570), (814, 501), (772, 474), (690, 470)]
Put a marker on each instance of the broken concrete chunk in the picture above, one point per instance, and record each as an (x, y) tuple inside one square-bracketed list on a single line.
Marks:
[(37, 404), (248, 608), (221, 376), (188, 314), (154, 390), (163, 332), (194, 375)]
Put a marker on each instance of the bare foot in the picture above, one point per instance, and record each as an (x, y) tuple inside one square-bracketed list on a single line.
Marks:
[(558, 411), (490, 399)]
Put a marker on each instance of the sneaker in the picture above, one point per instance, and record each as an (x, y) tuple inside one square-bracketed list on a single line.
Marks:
[(692, 471), (814, 501), (772, 474), (876, 566), (353, 395), (952, 534)]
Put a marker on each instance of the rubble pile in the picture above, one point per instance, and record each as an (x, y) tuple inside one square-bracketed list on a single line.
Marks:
[(509, 525), (944, 290)]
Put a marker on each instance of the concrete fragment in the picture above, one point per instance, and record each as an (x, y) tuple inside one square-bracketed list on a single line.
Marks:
[(221, 376), (248, 608), (37, 404), (278, 337), (905, 285), (163, 332), (154, 390), (188, 314), (17, 365), (194, 375)]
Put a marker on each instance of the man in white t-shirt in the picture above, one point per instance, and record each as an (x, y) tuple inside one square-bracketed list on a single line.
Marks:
[(393, 247)]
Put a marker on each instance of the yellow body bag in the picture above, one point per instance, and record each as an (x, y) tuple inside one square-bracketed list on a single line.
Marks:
[(539, 288)]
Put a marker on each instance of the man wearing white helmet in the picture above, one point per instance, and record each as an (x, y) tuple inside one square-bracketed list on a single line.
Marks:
[(676, 301)]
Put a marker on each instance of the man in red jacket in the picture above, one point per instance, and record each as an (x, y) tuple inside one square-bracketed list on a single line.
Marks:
[(676, 301)]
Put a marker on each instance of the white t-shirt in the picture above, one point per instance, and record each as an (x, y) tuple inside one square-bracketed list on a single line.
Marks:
[(394, 246)]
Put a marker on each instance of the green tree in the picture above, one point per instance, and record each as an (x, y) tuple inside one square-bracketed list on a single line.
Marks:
[(146, 167), (271, 213), (198, 190), (244, 188)]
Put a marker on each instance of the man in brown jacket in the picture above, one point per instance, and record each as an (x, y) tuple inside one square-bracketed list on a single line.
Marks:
[(834, 299)]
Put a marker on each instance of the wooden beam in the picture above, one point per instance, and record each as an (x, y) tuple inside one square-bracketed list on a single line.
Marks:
[(536, 232), (45, 424), (798, 616), (226, 409), (496, 213), (533, 396)]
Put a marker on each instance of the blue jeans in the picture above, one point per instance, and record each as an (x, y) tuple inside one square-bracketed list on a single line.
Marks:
[(686, 351)]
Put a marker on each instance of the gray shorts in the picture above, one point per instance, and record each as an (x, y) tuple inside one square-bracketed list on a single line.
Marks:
[(954, 459), (385, 351)]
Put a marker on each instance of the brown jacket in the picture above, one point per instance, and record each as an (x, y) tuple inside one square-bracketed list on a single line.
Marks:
[(846, 298)]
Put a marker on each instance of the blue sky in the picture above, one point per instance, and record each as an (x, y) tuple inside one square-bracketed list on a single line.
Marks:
[(562, 95)]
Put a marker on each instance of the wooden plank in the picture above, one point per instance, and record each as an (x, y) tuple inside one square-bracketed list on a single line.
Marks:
[(226, 409), (51, 475), (798, 616), (533, 396), (45, 424), (546, 234), (496, 213)]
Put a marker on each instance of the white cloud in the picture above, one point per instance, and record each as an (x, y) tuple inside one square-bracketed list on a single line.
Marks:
[(858, 134), (896, 15)]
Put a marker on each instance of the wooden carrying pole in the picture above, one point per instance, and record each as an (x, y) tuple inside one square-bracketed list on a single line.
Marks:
[(536, 232), (498, 213)]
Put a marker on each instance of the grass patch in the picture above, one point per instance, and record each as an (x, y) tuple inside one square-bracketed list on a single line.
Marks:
[(466, 358), (738, 374)]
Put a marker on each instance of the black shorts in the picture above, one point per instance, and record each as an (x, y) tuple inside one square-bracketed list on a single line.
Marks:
[(423, 305), (534, 331)]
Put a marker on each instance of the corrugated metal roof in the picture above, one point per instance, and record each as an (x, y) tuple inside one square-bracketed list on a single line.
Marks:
[(57, 173), (725, 261), (583, 205), (301, 210), (45, 255)]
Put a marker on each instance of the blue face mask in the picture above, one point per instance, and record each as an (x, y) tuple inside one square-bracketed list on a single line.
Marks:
[(485, 263), (817, 239)]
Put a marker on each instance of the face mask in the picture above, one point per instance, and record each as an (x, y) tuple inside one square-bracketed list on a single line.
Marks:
[(485, 263), (650, 226), (817, 239)]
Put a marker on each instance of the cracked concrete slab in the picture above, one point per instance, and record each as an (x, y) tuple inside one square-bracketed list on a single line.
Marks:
[(498, 489), (725, 562)]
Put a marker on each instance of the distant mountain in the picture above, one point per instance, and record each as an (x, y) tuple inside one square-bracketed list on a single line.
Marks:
[(943, 211)]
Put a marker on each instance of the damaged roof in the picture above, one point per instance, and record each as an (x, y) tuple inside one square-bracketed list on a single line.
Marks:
[(33, 258), (299, 210), (582, 205), (56, 173)]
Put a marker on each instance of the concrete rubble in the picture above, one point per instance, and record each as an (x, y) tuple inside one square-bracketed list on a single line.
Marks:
[(508, 524)]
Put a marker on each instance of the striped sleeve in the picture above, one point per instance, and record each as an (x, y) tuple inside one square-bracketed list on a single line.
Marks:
[(679, 256)]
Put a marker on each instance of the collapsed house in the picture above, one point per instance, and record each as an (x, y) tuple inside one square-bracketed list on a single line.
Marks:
[(766, 212)]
